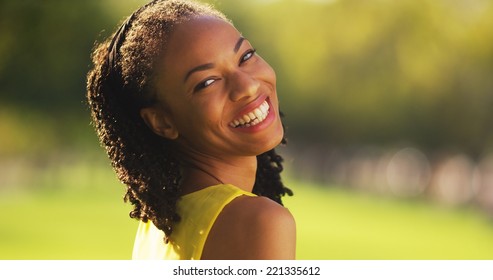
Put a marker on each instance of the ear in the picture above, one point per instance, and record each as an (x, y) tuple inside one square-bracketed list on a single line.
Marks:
[(159, 122)]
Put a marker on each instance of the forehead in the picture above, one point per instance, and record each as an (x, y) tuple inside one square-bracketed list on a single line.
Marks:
[(199, 40)]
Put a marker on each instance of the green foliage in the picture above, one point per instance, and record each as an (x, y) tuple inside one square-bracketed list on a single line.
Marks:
[(360, 72), (350, 72), (44, 52)]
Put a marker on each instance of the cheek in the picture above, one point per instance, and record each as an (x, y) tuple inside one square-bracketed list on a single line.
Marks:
[(210, 108), (266, 72), (200, 117), (271, 74)]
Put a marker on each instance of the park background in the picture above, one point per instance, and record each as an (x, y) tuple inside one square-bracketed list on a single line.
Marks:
[(388, 106)]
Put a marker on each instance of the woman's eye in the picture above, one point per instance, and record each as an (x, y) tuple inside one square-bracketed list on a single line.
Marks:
[(204, 84), (249, 54)]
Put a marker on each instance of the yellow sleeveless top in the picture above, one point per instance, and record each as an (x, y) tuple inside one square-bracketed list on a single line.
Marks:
[(198, 212)]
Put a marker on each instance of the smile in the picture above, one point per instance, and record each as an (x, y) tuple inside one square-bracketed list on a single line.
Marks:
[(252, 118)]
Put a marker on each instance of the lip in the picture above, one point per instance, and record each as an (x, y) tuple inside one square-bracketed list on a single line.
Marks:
[(265, 123), (248, 108)]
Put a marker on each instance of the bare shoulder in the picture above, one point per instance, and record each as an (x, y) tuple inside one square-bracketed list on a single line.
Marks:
[(252, 228), (262, 212)]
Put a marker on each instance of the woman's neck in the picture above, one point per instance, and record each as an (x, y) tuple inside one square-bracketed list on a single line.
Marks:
[(201, 171)]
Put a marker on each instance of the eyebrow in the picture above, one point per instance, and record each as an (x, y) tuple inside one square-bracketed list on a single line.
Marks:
[(211, 65), (238, 44)]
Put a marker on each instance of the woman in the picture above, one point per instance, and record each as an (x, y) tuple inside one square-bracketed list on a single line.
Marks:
[(188, 114)]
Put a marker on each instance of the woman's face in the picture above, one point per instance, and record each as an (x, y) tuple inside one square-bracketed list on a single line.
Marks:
[(217, 93)]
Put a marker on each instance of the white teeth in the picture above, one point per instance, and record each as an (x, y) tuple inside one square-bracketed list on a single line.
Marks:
[(264, 108), (258, 113), (252, 118)]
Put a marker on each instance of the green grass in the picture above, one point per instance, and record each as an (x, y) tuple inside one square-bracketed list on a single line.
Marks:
[(63, 226), (92, 223), (338, 224)]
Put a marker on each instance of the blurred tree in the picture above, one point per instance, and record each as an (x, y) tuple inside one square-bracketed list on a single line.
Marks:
[(44, 51), (350, 72), (358, 72)]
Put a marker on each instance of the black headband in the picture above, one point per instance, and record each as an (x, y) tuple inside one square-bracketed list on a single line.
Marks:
[(119, 37)]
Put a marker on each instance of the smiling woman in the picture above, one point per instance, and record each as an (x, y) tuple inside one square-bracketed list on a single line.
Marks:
[(188, 114)]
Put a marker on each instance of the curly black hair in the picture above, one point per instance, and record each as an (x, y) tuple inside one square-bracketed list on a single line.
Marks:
[(121, 83)]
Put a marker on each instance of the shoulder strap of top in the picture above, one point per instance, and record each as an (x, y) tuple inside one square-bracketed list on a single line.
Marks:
[(198, 211)]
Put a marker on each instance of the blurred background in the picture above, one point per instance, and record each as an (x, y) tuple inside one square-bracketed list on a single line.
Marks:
[(388, 106)]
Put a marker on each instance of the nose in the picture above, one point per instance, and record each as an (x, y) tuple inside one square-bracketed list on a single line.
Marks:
[(243, 85)]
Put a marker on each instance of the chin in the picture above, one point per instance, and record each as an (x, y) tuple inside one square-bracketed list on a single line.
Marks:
[(273, 141)]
